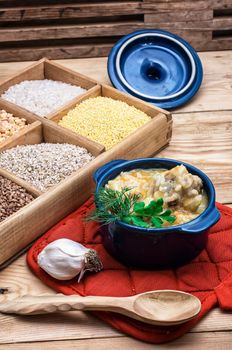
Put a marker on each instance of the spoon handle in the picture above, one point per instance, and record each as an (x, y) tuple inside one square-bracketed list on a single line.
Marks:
[(32, 305)]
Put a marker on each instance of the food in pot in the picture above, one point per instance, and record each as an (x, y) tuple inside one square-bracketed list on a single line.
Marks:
[(180, 191), (104, 120)]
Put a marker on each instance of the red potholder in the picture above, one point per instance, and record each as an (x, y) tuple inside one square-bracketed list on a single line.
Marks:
[(209, 276)]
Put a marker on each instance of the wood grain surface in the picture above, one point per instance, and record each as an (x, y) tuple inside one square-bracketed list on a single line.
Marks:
[(202, 135), (69, 29)]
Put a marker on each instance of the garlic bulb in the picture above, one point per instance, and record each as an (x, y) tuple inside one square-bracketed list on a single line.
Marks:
[(64, 259)]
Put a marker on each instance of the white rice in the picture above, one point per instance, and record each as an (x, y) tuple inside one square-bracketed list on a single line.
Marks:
[(42, 97)]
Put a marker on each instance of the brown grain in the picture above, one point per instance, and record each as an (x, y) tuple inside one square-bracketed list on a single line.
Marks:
[(12, 197)]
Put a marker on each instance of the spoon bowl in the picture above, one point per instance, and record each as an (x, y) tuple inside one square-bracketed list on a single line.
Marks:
[(160, 307), (167, 306)]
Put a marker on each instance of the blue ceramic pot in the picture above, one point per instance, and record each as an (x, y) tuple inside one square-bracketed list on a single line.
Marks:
[(156, 66), (156, 248)]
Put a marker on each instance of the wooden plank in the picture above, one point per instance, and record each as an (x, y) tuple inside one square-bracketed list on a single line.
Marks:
[(55, 52), (198, 34), (171, 15), (72, 10), (220, 43), (193, 20), (204, 27), (68, 31), (221, 4), (166, 1), (192, 341), (83, 10), (216, 89), (222, 23), (158, 6)]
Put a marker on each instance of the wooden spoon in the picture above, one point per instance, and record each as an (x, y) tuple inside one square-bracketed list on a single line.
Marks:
[(161, 307)]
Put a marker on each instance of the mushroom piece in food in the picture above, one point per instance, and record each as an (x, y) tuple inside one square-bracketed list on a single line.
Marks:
[(179, 186)]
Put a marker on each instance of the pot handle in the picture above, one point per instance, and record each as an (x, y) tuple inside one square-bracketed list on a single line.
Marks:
[(205, 223), (103, 169)]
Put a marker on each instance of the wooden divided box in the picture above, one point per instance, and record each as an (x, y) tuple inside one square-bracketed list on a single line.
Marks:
[(20, 229)]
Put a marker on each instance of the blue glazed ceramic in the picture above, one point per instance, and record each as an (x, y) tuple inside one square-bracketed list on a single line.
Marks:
[(158, 248), (156, 66)]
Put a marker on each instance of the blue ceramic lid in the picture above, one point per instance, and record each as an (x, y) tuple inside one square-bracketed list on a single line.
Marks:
[(155, 66)]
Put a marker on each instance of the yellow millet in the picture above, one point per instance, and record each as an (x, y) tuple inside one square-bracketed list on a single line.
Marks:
[(104, 120)]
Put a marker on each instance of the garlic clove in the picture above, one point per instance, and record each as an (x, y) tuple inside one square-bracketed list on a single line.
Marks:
[(58, 265), (64, 259), (67, 246)]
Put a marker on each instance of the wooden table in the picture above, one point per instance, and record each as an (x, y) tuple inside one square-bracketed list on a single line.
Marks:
[(202, 135)]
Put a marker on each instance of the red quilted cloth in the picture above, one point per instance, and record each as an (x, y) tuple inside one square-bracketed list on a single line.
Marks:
[(209, 276)]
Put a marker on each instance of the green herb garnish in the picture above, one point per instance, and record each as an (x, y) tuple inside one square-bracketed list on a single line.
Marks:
[(153, 214), (122, 205), (113, 205)]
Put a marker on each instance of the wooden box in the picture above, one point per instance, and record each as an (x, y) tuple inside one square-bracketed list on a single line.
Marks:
[(23, 227)]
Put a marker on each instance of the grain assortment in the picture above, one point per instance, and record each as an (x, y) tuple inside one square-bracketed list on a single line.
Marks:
[(9, 124), (12, 197), (46, 155), (104, 120), (42, 97), (46, 164)]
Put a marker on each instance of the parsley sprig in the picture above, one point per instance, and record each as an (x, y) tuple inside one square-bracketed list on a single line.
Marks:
[(122, 205), (151, 215)]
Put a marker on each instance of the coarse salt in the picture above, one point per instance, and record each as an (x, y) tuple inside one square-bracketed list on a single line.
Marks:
[(42, 97)]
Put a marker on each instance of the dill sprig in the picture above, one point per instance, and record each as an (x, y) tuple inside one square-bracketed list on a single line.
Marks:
[(113, 205), (122, 205)]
